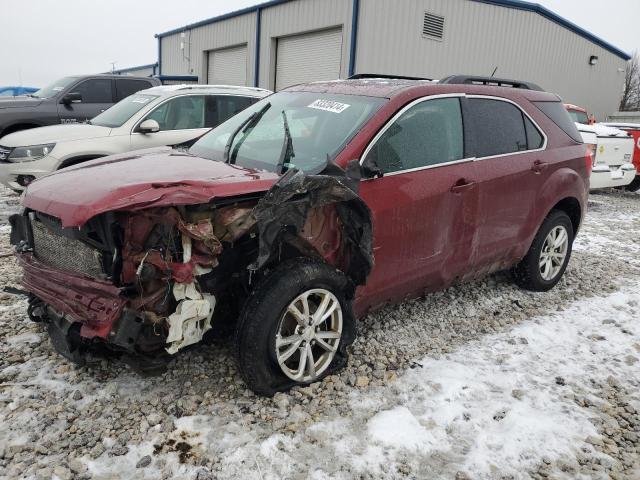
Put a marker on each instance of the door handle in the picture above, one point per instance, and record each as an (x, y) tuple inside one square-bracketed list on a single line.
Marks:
[(461, 185), (539, 166)]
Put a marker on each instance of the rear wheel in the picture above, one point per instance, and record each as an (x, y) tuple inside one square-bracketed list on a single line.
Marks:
[(543, 266), (634, 185), (295, 326)]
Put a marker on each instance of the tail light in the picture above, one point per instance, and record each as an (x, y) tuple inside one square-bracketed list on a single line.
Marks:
[(590, 156)]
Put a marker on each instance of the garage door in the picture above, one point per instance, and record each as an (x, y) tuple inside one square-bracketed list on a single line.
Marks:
[(308, 57), (228, 66)]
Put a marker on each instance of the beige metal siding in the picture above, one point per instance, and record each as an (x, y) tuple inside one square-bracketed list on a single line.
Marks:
[(192, 60), (308, 57), (478, 38), (228, 66), (298, 17)]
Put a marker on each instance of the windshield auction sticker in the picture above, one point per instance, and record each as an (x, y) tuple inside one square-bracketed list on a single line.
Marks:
[(329, 106)]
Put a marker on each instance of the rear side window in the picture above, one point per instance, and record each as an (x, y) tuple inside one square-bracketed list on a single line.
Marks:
[(97, 90), (126, 87), (534, 137), (427, 134), (222, 107), (499, 127), (559, 115)]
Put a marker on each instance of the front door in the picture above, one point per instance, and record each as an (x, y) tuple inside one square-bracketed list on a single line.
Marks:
[(424, 204), (97, 96)]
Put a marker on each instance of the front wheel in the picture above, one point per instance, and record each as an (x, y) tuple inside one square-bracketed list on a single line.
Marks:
[(295, 326), (634, 185), (543, 266)]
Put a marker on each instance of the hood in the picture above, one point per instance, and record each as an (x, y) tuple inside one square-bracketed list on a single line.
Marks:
[(144, 179), (601, 130), (15, 102), (54, 134)]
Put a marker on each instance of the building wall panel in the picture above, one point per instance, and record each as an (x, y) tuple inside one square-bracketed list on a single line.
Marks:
[(480, 37)]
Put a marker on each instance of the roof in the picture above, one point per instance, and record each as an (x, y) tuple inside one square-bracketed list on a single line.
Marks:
[(389, 88), (168, 90), (517, 4)]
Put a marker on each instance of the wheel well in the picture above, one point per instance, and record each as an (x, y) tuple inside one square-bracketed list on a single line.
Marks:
[(75, 160), (571, 207), (17, 127)]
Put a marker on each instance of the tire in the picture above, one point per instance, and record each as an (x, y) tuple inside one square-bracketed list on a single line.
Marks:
[(266, 314), (634, 185), (529, 273)]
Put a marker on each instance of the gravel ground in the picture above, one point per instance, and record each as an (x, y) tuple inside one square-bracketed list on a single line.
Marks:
[(199, 421)]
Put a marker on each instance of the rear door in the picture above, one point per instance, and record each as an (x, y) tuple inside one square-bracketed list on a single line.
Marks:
[(424, 205), (510, 169), (97, 96), (129, 86)]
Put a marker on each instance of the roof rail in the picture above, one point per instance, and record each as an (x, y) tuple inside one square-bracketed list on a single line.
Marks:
[(490, 81), (360, 76)]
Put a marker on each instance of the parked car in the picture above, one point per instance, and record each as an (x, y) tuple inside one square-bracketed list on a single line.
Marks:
[(16, 91), (73, 99), (300, 214), (165, 115), (579, 114), (632, 129), (612, 165)]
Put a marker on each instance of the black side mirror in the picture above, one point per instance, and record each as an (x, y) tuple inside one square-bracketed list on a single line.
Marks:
[(73, 97), (369, 167)]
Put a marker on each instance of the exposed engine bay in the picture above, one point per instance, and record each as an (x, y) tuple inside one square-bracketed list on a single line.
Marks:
[(150, 282)]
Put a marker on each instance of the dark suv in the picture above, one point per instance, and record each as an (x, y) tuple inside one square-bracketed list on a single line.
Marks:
[(299, 215), (69, 100)]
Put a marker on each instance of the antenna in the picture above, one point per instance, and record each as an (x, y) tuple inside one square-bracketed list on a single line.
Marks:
[(494, 72), (113, 67)]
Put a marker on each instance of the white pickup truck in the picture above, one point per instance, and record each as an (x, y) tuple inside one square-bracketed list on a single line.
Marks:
[(612, 165)]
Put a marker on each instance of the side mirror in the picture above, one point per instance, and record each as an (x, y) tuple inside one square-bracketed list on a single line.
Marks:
[(148, 126), (369, 167), (73, 97)]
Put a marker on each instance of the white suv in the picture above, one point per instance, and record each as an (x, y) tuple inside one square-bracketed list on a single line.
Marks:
[(158, 116)]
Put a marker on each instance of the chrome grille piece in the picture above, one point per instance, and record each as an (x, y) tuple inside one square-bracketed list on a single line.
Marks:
[(65, 253)]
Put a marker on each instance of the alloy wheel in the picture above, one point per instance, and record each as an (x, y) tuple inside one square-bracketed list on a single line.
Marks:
[(554, 252), (308, 335)]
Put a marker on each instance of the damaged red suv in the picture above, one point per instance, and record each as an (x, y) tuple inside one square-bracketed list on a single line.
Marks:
[(298, 216)]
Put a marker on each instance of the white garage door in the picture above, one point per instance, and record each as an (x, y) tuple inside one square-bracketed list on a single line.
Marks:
[(308, 57), (228, 66)]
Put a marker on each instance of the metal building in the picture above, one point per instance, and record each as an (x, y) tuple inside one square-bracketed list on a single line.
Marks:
[(283, 42), (139, 71)]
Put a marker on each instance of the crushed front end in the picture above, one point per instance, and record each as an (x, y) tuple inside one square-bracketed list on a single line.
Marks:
[(144, 283)]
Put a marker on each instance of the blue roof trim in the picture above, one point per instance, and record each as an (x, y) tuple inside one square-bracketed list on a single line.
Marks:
[(132, 69), (517, 4), (554, 17), (224, 16)]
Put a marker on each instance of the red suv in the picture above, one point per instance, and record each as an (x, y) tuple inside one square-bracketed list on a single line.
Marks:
[(297, 216)]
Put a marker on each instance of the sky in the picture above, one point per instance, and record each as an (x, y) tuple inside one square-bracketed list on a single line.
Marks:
[(43, 40)]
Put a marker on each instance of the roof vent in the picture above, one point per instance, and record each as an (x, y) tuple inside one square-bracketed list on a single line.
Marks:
[(433, 26)]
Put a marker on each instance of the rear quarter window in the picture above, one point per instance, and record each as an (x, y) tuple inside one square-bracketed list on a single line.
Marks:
[(559, 115)]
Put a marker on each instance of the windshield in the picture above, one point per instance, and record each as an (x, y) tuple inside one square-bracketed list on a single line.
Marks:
[(122, 111), (579, 117), (55, 88), (288, 129)]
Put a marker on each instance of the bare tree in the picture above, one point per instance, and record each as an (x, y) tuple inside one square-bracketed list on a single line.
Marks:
[(631, 95)]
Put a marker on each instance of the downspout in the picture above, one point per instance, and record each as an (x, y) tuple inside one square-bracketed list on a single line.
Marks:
[(256, 67), (355, 14), (159, 54)]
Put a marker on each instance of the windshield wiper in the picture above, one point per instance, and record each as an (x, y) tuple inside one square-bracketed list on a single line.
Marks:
[(250, 122), (287, 152)]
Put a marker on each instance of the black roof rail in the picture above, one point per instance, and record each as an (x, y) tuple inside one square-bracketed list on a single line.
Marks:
[(360, 76), (490, 81)]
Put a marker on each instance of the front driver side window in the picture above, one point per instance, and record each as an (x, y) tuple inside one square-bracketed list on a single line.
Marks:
[(180, 113), (427, 134)]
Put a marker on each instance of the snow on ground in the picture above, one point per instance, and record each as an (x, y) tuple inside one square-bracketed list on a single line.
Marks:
[(480, 381)]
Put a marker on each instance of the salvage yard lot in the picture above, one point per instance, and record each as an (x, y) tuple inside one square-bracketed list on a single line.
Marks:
[(480, 381)]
